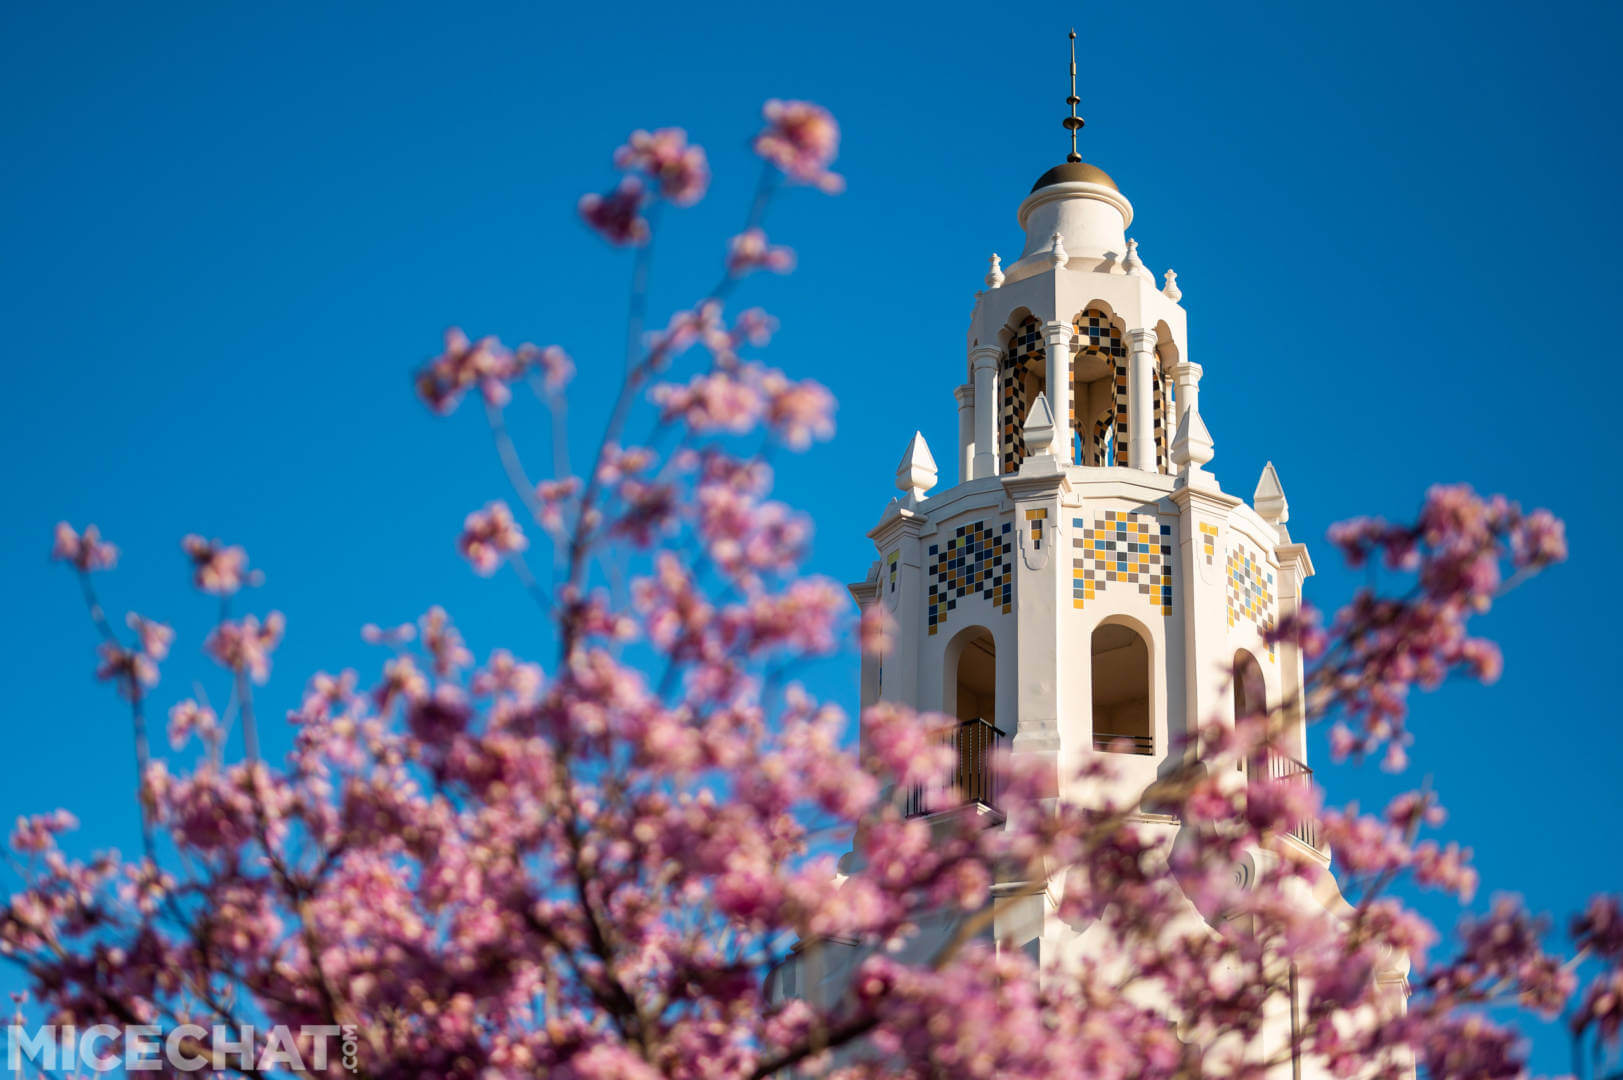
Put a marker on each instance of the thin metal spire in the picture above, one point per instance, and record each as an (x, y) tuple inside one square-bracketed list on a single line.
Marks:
[(1073, 123)]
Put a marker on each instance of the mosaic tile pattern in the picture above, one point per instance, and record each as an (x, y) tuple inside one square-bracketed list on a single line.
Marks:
[(1025, 348), (1208, 543), (1037, 519), (1162, 461), (1101, 440), (1096, 335), (974, 560), (1250, 590), (1123, 547), (895, 558)]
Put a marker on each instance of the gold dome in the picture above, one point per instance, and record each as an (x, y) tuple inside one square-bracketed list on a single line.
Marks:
[(1073, 171)]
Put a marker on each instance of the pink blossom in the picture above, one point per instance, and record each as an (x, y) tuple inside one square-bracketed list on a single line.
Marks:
[(877, 632), (464, 365), (86, 551), (718, 401), (1600, 927), (396, 636), (504, 674), (401, 680), (551, 362), (617, 216), (686, 328), (553, 500), (488, 536), (1602, 1007), (153, 638), (37, 834), (217, 569), (798, 412), (130, 669), (189, 718), (244, 645), (443, 642), (681, 170), (749, 251), (801, 139)]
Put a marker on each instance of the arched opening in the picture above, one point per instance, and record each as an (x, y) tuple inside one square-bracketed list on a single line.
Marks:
[(1023, 376), (1099, 387), (1250, 691), (1121, 691), (975, 677), (1166, 415), (1281, 760), (969, 666)]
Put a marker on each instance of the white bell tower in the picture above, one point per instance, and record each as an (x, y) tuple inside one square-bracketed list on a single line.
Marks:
[(1086, 587)]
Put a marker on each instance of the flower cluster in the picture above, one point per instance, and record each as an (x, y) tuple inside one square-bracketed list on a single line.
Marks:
[(1455, 552), (801, 139), (740, 399), (488, 366), (245, 645), (679, 169), (86, 551), (490, 535)]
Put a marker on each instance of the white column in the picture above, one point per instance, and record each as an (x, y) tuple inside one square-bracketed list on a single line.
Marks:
[(1141, 399), (966, 431), (1057, 343), (1186, 385), (983, 362)]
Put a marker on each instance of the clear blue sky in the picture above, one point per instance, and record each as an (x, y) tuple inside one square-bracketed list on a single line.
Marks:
[(229, 231)]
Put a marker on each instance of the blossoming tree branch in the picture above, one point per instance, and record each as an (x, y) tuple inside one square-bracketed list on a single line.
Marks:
[(587, 863)]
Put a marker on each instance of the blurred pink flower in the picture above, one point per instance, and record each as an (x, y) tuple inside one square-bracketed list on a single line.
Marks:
[(86, 551), (244, 645), (488, 536), (189, 718), (681, 170), (217, 569), (617, 216), (801, 139), (749, 250), (154, 638)]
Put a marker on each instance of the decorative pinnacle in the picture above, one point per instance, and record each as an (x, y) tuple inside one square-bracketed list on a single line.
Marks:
[(1073, 123)]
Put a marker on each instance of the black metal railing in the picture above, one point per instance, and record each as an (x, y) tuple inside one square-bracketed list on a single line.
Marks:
[(1281, 768), (1123, 744), (974, 779)]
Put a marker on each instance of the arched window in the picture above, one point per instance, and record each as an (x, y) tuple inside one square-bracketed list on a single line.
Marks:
[(1024, 369), (1280, 761), (1099, 386), (970, 695), (974, 676), (1121, 691), (1250, 692)]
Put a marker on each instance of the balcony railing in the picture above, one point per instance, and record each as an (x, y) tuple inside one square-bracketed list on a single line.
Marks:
[(974, 779), (1123, 744), (1281, 768)]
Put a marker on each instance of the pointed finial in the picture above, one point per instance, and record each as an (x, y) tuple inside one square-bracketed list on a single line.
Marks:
[(1039, 430), (1269, 498), (994, 276), (1171, 290), (1057, 254), (1191, 449), (1132, 264), (1073, 123), (916, 473)]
